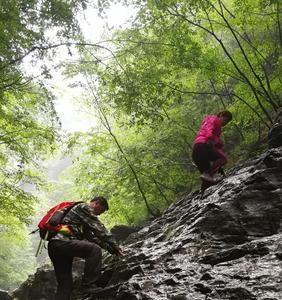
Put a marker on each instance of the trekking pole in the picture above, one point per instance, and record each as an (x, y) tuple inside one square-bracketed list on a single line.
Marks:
[(41, 244)]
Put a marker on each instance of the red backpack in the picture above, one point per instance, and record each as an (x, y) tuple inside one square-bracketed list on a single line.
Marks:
[(51, 223)]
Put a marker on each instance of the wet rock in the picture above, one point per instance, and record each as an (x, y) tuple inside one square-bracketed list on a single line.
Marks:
[(178, 297), (275, 134), (42, 285), (121, 232), (4, 295), (226, 246), (234, 253), (206, 277), (202, 288), (236, 293)]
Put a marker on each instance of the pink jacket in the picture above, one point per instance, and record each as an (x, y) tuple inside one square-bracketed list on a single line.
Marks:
[(210, 129)]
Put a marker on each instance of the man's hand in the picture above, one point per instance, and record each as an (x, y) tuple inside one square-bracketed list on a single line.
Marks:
[(120, 252), (115, 249)]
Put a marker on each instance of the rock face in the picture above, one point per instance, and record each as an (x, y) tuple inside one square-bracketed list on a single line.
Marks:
[(227, 245), (121, 232), (42, 285), (4, 295), (275, 134)]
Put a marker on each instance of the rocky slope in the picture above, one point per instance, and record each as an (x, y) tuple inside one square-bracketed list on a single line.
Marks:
[(227, 245)]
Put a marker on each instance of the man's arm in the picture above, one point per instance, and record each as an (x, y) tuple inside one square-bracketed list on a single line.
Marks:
[(96, 232)]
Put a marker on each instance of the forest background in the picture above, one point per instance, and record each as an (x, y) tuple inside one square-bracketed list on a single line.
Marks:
[(147, 87)]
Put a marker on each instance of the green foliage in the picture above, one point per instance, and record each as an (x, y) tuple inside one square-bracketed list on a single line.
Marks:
[(26, 137), (150, 85), (28, 122), (15, 257), (25, 23), (180, 61), (159, 159)]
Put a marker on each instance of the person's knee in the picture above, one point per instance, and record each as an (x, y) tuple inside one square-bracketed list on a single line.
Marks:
[(222, 158)]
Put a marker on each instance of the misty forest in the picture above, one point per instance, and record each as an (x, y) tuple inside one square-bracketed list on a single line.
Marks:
[(145, 88)]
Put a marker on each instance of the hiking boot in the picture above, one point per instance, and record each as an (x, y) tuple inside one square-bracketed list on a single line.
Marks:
[(207, 177)]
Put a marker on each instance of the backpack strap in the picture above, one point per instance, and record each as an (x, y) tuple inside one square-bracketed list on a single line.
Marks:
[(41, 244), (35, 230), (70, 208)]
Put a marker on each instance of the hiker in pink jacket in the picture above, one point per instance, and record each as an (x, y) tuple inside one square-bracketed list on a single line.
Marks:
[(208, 151)]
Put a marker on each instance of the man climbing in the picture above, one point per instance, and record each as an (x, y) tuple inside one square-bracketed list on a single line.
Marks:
[(87, 235), (208, 151)]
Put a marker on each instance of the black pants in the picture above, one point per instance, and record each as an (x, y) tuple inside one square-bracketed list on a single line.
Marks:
[(208, 158), (62, 253)]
